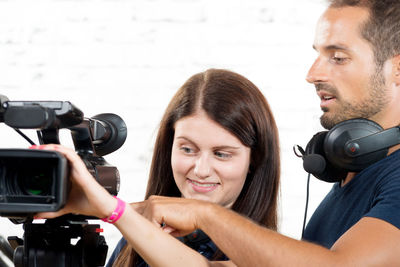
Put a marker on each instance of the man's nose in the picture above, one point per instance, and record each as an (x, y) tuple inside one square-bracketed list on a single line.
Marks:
[(318, 72), (202, 168)]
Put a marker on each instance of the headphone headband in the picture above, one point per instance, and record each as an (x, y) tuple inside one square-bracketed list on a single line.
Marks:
[(373, 142)]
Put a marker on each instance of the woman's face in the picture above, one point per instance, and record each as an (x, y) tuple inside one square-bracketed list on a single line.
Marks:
[(208, 162)]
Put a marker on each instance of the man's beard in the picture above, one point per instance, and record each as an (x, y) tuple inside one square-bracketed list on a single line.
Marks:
[(371, 104)]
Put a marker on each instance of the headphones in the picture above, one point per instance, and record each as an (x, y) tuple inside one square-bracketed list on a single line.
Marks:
[(350, 146)]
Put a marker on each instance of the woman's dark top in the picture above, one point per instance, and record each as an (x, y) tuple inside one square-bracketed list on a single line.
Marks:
[(197, 240)]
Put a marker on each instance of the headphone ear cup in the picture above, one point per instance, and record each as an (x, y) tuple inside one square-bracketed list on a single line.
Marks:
[(340, 134), (316, 144), (315, 162)]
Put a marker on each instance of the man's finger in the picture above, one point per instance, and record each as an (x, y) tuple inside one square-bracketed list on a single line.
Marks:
[(168, 229)]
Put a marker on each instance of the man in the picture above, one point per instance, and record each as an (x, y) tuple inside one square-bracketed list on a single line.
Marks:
[(356, 74)]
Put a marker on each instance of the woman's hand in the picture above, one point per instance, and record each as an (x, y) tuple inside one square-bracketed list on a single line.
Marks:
[(87, 197)]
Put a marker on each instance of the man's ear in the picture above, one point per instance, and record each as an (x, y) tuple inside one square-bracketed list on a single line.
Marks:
[(396, 69)]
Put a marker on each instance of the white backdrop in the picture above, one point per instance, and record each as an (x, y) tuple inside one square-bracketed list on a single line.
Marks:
[(129, 57)]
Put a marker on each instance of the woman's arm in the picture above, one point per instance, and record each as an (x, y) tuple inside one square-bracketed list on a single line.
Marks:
[(155, 246), (370, 242)]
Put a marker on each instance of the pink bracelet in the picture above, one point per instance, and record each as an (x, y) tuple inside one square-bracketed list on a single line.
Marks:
[(117, 213)]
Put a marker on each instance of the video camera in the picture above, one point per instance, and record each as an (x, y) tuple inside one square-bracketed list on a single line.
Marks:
[(33, 181)]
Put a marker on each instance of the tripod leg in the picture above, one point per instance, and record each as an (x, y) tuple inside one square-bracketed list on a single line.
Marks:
[(6, 248), (3, 263)]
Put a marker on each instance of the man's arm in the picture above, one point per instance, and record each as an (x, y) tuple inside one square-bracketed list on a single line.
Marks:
[(158, 248), (370, 242)]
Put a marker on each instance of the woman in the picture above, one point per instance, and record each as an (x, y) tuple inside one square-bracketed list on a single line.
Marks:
[(217, 142)]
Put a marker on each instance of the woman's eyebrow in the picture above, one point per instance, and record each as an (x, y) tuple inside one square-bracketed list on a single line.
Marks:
[(226, 147), (184, 137), (216, 147)]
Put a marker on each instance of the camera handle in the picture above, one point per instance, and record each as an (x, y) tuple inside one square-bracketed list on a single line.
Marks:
[(49, 244), (48, 136)]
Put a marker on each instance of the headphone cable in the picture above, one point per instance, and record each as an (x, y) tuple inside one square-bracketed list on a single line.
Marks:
[(306, 208)]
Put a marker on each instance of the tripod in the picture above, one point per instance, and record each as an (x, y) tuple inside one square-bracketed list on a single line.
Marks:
[(49, 244), (7, 251)]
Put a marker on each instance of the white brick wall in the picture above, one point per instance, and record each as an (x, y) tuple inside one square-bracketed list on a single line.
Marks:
[(129, 57)]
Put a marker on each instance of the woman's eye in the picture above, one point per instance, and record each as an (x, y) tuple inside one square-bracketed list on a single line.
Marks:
[(186, 150), (222, 155)]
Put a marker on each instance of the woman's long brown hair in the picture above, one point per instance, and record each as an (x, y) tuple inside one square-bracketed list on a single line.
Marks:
[(236, 104)]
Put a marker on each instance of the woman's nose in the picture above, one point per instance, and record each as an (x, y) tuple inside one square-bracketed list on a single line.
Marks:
[(202, 168)]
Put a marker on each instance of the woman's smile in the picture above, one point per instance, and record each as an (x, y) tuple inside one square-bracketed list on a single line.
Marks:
[(202, 187)]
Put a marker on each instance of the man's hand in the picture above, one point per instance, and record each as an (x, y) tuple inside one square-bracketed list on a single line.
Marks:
[(177, 216)]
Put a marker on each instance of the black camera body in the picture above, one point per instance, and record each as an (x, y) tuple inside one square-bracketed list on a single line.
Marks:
[(34, 180)]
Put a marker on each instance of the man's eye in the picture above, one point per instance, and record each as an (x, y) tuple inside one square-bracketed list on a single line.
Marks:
[(340, 60)]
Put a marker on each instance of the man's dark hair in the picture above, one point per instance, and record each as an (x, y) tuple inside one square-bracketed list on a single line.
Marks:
[(382, 29)]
